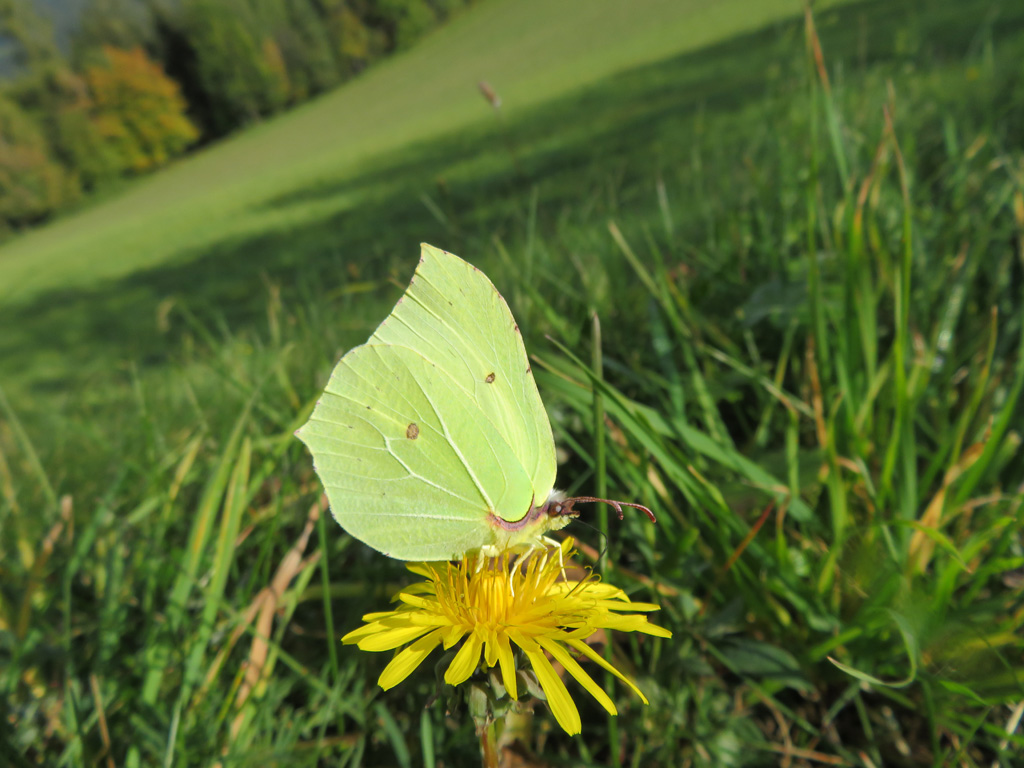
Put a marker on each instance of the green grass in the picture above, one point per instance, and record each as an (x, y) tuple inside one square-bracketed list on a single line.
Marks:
[(810, 301), (530, 50)]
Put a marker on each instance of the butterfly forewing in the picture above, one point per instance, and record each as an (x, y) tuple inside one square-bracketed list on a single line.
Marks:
[(454, 317)]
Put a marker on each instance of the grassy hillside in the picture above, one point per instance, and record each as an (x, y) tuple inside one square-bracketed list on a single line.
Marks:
[(808, 266), (530, 51)]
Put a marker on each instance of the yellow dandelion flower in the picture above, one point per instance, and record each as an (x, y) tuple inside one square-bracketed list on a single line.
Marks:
[(478, 602)]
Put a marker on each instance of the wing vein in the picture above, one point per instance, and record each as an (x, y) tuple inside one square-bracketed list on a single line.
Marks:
[(458, 450)]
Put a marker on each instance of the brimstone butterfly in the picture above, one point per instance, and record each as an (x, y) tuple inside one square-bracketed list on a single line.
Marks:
[(431, 439)]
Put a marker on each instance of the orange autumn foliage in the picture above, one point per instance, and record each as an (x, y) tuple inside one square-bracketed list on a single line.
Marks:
[(138, 109)]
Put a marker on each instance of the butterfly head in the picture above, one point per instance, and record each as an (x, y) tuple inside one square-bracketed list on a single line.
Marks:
[(558, 511), (554, 514), (560, 507)]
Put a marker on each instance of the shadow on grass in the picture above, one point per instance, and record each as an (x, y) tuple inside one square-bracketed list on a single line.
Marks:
[(589, 156)]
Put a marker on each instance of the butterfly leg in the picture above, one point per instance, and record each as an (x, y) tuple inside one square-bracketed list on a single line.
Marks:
[(548, 541), (487, 552), (521, 558), (512, 572)]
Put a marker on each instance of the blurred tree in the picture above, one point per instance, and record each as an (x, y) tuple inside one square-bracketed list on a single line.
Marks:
[(138, 110), (55, 100), (276, 71), (58, 102), (123, 24), (31, 183), (29, 34), (240, 72), (65, 110), (305, 39), (407, 20), (181, 63), (447, 8), (154, 70), (356, 42)]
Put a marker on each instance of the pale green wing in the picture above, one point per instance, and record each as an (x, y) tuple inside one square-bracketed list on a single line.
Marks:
[(410, 463), (453, 316)]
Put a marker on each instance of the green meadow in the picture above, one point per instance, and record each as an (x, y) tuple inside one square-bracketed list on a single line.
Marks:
[(528, 51), (803, 244)]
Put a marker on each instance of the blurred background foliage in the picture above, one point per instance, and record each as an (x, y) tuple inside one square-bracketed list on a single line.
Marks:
[(141, 82)]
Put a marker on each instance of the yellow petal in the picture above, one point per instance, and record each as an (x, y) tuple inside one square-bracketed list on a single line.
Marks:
[(388, 618), (453, 635), (541, 613), (465, 661), (359, 633), (389, 639), (563, 657), (420, 588), (409, 618), (594, 656), (408, 659), (561, 703), (378, 616), (424, 603), (386, 622), (491, 648), (508, 665), (653, 629), (524, 642), (582, 633), (632, 606), (632, 624)]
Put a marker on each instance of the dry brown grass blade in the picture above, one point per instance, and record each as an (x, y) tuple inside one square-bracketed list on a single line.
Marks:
[(808, 754), (817, 401), (247, 618), (921, 545), (181, 471), (258, 605), (7, 482), (758, 524), (39, 564), (1018, 215), (1011, 725), (291, 565), (819, 56), (784, 729), (101, 716)]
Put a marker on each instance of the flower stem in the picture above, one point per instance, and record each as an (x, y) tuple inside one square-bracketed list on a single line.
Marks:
[(489, 744)]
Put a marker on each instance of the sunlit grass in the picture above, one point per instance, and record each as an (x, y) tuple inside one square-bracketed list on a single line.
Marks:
[(531, 50), (810, 311)]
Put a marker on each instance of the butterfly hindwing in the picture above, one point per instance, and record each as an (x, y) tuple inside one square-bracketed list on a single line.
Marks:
[(401, 451)]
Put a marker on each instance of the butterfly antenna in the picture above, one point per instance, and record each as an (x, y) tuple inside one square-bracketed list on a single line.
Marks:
[(602, 534), (567, 506)]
